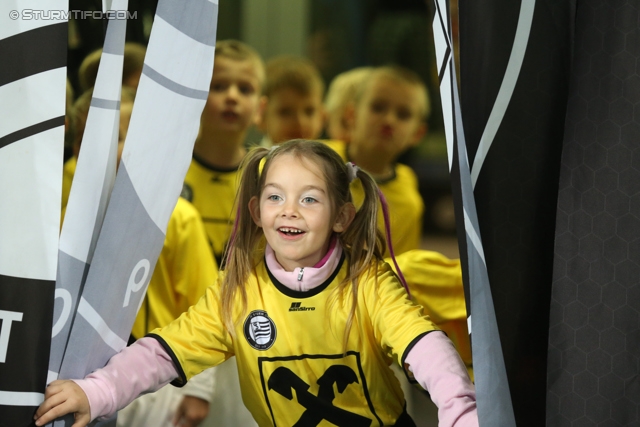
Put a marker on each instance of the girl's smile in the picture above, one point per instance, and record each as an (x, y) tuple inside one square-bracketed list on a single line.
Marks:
[(290, 233)]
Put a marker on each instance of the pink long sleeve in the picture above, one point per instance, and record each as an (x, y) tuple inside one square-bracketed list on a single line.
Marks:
[(437, 367), (141, 368)]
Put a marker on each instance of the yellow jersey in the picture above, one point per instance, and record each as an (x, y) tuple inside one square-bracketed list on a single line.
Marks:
[(213, 191), (294, 369)]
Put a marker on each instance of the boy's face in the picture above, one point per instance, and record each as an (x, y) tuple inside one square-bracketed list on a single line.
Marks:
[(234, 96), (388, 118), (289, 114)]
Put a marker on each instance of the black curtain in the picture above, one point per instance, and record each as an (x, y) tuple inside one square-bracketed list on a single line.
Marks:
[(594, 346)]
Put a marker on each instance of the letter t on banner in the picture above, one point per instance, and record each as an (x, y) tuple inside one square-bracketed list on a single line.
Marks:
[(32, 95)]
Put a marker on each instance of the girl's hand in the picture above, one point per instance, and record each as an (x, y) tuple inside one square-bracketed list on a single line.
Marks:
[(64, 397)]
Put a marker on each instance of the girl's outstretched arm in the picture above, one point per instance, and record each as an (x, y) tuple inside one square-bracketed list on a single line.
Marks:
[(143, 367), (437, 366), (64, 397)]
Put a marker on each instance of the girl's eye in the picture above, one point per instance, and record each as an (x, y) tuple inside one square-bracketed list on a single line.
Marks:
[(308, 200), (274, 198)]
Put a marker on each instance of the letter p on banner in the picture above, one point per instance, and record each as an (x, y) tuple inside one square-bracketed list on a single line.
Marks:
[(137, 279)]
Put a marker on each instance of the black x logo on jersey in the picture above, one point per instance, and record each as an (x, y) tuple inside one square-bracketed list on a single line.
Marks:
[(319, 407)]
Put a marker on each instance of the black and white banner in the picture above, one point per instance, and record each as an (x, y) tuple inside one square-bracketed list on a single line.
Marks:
[(492, 389), (91, 189), (514, 62), (166, 116), (32, 107)]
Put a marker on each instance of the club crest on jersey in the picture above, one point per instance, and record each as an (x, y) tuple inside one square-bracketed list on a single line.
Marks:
[(259, 330)]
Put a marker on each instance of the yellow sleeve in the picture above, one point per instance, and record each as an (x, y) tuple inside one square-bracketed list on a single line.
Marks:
[(197, 340), (435, 282), (396, 320)]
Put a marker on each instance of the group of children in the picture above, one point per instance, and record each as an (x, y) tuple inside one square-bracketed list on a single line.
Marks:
[(293, 281)]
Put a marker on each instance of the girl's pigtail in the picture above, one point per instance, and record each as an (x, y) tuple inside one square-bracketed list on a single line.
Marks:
[(232, 239), (366, 240), (362, 239), (239, 256), (368, 220)]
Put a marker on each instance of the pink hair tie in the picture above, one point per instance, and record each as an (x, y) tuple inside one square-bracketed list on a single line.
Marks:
[(352, 171), (387, 230)]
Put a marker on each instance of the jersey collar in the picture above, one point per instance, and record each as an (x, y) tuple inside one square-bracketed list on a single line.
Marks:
[(313, 280)]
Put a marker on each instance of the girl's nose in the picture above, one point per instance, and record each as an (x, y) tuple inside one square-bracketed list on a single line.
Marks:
[(289, 210)]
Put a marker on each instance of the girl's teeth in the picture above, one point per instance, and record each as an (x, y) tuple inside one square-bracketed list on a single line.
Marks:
[(290, 231)]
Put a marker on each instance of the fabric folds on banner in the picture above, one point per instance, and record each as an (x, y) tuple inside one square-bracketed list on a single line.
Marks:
[(164, 123), (32, 108), (515, 58), (492, 390), (90, 192)]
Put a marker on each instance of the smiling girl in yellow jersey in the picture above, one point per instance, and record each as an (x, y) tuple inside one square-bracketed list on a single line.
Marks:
[(314, 319)]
